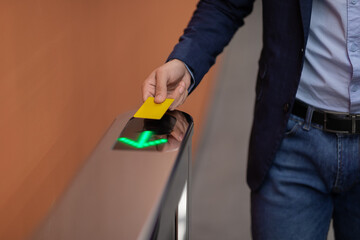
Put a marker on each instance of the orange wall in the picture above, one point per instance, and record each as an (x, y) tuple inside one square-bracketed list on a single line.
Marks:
[(67, 68)]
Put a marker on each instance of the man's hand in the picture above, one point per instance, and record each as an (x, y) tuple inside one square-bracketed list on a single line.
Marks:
[(171, 80)]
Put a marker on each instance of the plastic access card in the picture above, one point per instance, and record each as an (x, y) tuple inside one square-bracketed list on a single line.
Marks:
[(152, 110)]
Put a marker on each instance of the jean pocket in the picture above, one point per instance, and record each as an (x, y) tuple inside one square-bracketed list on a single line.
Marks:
[(292, 127)]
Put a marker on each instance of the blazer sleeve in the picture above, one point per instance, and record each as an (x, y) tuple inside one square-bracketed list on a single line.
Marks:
[(210, 29)]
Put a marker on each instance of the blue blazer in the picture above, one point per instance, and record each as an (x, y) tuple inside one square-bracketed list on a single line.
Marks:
[(285, 32)]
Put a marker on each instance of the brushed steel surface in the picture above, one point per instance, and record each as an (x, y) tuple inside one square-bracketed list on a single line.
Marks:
[(116, 194)]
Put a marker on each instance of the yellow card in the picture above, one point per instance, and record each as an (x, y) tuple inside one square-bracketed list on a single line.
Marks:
[(153, 110)]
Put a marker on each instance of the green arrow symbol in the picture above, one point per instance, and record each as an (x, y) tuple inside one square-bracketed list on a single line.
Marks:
[(143, 140)]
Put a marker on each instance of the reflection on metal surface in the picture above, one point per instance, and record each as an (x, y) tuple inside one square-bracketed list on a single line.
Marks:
[(182, 215)]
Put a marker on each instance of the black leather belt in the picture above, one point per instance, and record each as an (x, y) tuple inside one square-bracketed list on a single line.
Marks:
[(331, 121)]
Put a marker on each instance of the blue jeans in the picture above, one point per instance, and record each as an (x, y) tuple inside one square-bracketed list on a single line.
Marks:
[(314, 178)]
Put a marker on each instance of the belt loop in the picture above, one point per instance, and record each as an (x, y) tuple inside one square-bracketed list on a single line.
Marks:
[(309, 114), (353, 124)]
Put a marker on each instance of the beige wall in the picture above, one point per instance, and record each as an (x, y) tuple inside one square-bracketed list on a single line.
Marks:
[(67, 68)]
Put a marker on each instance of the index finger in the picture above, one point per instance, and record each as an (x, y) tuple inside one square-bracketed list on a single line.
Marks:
[(148, 87), (161, 86)]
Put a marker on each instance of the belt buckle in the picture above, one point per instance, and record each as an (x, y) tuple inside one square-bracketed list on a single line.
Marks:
[(325, 123), (353, 118)]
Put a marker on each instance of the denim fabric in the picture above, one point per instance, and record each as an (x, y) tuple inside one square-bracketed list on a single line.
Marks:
[(314, 177)]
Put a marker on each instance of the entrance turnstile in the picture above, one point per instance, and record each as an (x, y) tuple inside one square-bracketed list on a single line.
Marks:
[(135, 185)]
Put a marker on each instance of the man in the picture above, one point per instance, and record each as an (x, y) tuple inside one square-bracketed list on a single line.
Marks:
[(304, 154)]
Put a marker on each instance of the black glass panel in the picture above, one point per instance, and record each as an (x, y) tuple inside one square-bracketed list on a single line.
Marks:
[(153, 135)]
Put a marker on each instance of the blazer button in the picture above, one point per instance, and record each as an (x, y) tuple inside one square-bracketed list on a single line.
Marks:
[(286, 107), (301, 54)]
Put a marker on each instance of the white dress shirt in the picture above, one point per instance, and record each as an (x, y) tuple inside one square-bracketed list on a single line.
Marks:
[(331, 75)]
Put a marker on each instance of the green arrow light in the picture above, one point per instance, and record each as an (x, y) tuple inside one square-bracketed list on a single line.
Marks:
[(143, 140)]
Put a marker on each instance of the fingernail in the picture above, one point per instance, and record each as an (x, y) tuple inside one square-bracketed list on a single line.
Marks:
[(158, 99), (181, 89)]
